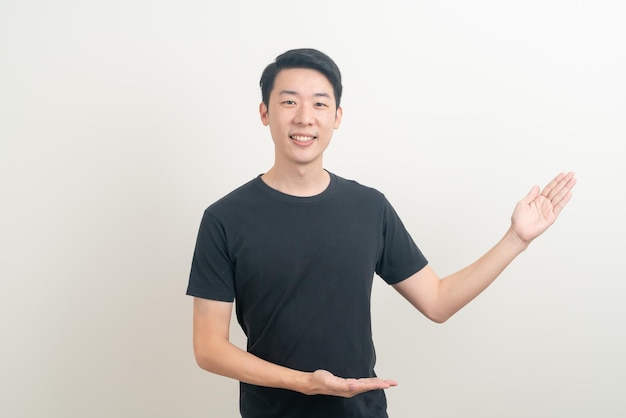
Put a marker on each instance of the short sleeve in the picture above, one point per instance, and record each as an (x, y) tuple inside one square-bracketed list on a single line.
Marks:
[(400, 257), (212, 271)]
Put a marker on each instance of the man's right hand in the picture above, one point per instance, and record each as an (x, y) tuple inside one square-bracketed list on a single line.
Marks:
[(215, 353), (322, 382)]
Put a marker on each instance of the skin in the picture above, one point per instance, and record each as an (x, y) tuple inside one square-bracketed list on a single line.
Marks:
[(302, 104)]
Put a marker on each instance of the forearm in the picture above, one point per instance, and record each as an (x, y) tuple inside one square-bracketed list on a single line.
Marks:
[(458, 289), (224, 358)]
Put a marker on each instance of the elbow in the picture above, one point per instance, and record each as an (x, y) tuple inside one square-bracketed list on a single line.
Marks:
[(205, 358), (439, 311), (434, 312), (438, 319), (207, 363), (202, 360), (438, 316)]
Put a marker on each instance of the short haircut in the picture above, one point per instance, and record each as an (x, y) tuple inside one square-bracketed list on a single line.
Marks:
[(301, 58)]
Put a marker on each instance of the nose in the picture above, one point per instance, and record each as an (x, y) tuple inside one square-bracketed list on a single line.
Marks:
[(304, 116)]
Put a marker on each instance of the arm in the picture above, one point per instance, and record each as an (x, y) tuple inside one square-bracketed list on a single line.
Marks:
[(439, 299), (215, 353)]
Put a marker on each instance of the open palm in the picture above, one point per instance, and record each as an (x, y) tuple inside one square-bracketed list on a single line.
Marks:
[(537, 211)]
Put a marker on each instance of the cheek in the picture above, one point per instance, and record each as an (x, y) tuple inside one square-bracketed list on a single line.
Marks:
[(334, 123)]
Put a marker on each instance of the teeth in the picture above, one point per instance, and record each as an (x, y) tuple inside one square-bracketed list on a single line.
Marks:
[(302, 138)]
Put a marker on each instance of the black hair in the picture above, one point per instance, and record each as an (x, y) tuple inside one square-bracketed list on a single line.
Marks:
[(301, 58)]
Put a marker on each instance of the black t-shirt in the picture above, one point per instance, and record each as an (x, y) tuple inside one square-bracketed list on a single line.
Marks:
[(300, 270)]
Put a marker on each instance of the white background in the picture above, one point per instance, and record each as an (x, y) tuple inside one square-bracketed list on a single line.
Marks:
[(120, 121)]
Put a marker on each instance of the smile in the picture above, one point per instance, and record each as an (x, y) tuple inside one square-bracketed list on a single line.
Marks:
[(301, 138)]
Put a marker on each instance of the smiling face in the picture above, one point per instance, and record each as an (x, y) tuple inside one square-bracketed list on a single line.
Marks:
[(302, 116)]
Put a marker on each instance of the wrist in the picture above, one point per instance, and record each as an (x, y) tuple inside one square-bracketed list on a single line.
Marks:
[(517, 243), (300, 382)]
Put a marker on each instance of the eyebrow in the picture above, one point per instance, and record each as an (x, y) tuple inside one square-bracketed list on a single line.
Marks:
[(295, 93)]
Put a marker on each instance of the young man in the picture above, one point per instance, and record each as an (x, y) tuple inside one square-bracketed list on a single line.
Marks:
[(297, 248)]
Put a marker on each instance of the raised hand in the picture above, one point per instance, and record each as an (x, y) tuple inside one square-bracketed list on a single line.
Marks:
[(325, 383), (537, 211)]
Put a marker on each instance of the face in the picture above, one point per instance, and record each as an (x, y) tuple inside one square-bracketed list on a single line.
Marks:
[(302, 116)]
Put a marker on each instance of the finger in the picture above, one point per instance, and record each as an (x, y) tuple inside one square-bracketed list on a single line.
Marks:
[(562, 189), (550, 186), (557, 185), (562, 202), (532, 194), (367, 384), (564, 196)]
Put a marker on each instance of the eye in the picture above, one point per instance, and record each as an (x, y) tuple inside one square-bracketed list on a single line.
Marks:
[(288, 102), (321, 104)]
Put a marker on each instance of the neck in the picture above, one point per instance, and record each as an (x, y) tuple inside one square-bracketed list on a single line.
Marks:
[(301, 182)]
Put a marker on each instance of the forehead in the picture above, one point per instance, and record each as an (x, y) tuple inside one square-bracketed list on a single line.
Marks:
[(302, 81)]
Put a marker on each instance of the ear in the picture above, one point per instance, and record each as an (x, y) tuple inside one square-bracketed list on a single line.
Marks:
[(264, 113), (338, 116)]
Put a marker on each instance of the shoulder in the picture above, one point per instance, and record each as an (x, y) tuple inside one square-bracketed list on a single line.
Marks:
[(355, 188), (240, 197)]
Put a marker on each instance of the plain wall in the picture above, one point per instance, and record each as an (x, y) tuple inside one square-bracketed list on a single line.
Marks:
[(120, 121)]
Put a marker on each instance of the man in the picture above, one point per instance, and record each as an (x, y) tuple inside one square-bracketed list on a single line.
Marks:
[(297, 248)]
